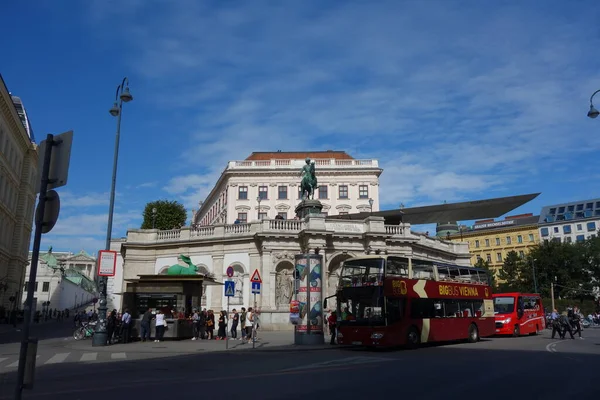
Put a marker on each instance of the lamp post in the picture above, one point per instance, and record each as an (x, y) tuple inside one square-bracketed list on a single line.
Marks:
[(370, 206), (258, 199), (122, 95), (534, 279), (154, 217), (593, 113)]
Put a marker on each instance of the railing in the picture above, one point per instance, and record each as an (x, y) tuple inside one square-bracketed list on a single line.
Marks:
[(394, 229), (172, 234), (237, 228), (285, 225), (202, 231), (297, 164)]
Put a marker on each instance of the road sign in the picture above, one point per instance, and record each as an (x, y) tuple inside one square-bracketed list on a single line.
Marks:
[(107, 263), (229, 288), (59, 160), (51, 211), (256, 277), (230, 271), (255, 287)]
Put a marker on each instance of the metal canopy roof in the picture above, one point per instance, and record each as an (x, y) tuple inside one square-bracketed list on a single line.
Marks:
[(465, 211)]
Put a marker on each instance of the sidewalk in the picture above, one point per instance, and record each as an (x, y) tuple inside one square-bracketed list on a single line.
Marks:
[(268, 341)]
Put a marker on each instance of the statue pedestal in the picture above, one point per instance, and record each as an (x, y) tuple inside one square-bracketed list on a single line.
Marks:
[(307, 207)]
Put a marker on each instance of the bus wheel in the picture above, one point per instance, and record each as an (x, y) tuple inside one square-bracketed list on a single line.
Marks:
[(473, 333), (413, 338), (516, 331)]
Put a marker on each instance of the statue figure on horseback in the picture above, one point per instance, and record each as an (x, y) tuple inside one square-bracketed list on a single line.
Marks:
[(309, 180)]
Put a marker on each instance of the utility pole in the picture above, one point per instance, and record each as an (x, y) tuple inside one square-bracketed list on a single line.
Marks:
[(552, 294)]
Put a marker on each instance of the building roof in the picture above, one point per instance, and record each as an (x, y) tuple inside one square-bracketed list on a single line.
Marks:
[(465, 211), (298, 155), (574, 210)]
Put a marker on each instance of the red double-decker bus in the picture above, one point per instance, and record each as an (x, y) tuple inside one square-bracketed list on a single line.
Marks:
[(386, 300)]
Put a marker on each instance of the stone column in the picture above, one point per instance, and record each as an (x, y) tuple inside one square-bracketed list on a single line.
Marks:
[(268, 286)]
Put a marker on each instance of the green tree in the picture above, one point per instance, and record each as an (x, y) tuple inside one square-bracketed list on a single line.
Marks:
[(510, 273), (485, 265), (169, 215)]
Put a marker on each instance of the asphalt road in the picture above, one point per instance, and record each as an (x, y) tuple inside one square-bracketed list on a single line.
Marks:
[(528, 367)]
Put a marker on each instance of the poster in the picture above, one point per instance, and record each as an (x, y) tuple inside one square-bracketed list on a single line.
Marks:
[(310, 310)]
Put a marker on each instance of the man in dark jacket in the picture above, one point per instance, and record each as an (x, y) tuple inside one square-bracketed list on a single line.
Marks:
[(145, 325)]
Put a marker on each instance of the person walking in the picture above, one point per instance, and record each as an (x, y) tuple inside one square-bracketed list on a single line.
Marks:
[(111, 326), (575, 320), (332, 322), (160, 326), (195, 327), (221, 334), (556, 328)]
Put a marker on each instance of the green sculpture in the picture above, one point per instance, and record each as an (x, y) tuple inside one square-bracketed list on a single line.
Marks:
[(178, 269), (309, 180), (49, 259)]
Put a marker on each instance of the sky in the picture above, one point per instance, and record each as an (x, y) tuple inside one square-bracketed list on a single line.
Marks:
[(458, 100)]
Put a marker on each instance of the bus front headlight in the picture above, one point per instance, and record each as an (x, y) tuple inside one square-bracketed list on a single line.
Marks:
[(376, 336)]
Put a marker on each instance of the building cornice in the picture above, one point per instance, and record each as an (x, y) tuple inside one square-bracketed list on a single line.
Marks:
[(497, 231)]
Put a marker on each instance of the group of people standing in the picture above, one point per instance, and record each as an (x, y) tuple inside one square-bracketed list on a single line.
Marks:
[(203, 323), (567, 322)]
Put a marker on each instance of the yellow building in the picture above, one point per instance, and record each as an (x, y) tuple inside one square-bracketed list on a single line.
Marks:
[(492, 240)]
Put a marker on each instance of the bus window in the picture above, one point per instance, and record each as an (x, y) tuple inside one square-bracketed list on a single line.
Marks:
[(395, 309), (443, 273), (465, 275), (452, 308), (422, 269), (504, 305), (396, 266), (422, 308), (454, 273)]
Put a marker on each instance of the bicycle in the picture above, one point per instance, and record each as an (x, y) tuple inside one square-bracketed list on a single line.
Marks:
[(85, 331)]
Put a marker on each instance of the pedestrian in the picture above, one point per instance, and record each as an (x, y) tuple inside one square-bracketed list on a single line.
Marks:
[(160, 326), (111, 325), (249, 324), (202, 323), (222, 333), (210, 325), (195, 327), (125, 325), (332, 322), (145, 325), (566, 326), (243, 315), (575, 320), (234, 324), (556, 328)]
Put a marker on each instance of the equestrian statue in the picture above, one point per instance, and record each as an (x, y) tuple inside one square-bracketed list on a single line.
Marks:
[(309, 180), (179, 269)]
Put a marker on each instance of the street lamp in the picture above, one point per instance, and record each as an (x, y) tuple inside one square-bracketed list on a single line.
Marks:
[(534, 279), (258, 199), (154, 217), (593, 113), (122, 95), (371, 206)]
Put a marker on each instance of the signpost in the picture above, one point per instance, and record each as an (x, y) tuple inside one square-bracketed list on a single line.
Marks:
[(107, 262), (54, 157), (229, 292), (256, 281)]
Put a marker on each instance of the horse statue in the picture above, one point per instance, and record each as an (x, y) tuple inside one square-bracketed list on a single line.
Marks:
[(179, 269), (309, 180)]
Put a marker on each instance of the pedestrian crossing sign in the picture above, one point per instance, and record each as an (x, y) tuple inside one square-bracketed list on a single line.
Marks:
[(229, 288)]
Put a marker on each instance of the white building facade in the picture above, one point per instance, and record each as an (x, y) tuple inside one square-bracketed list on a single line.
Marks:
[(269, 246), (570, 222), (267, 185), (18, 181), (67, 285)]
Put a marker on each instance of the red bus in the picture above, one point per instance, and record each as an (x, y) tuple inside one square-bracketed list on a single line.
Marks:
[(519, 314), (386, 300)]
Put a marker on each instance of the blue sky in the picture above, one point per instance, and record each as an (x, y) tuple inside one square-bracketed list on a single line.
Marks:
[(458, 100)]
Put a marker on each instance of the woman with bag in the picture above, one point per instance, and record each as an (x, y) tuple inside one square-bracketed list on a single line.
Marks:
[(222, 326), (210, 325), (161, 323)]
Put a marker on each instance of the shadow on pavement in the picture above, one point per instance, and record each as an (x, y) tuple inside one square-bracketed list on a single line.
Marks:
[(431, 373), (43, 331)]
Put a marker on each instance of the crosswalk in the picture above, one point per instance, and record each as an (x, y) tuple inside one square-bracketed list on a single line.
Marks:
[(59, 358)]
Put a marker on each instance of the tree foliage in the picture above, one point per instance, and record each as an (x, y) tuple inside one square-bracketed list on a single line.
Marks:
[(169, 215), (574, 268), (485, 265)]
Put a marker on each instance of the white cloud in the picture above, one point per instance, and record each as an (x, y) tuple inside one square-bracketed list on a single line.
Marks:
[(456, 103), (68, 199)]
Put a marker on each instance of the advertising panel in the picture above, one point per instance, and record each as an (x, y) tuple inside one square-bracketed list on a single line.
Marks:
[(302, 269)]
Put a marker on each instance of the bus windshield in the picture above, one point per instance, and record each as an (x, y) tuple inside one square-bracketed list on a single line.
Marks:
[(359, 272), (362, 306), (504, 305)]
